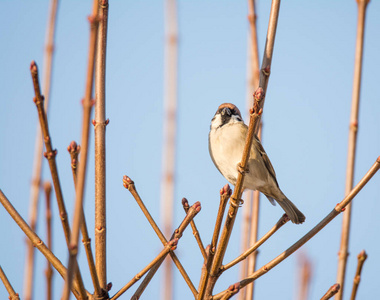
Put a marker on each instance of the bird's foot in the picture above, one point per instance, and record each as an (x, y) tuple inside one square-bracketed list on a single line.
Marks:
[(241, 170), (236, 202)]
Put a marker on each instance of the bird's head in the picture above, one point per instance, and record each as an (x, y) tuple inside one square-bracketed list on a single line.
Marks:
[(227, 113)]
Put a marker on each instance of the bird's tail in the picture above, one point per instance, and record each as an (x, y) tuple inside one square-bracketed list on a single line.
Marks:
[(291, 210)]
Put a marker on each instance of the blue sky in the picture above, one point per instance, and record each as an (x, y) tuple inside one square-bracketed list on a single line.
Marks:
[(306, 120)]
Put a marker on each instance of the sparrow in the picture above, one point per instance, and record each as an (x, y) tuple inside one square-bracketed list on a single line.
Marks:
[(226, 145)]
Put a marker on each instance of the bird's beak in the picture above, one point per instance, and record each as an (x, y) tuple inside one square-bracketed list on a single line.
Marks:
[(226, 111)]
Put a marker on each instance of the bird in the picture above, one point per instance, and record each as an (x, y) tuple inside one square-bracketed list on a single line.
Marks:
[(226, 145)]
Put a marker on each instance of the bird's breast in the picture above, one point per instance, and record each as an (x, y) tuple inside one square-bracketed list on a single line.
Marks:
[(226, 145)]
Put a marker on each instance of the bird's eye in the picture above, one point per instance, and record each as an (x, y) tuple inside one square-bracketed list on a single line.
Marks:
[(237, 118)]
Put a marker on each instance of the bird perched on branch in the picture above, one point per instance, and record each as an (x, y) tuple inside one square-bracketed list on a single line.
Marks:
[(226, 145)]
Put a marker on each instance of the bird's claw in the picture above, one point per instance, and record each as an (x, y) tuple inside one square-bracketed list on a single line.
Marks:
[(236, 202), (241, 170)]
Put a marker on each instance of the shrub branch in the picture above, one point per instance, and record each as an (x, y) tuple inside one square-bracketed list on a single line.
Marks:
[(37, 242), (331, 291), (87, 108), (100, 123), (346, 223), (361, 259), (50, 154), (130, 185), (169, 247), (340, 207), (12, 294)]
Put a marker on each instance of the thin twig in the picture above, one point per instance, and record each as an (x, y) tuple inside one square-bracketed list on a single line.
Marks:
[(186, 207), (12, 294), (169, 136), (50, 154), (225, 194), (232, 290), (37, 165), (87, 108), (100, 123), (37, 242), (49, 268), (147, 280), (343, 251), (282, 221), (74, 150), (331, 291), (340, 207), (361, 259), (170, 246), (256, 112), (130, 185)]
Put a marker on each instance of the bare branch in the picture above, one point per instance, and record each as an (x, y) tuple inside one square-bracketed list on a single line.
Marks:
[(256, 112), (147, 280), (37, 162), (169, 136), (50, 154), (74, 150), (100, 123), (185, 205), (331, 291), (37, 242), (130, 185), (49, 268), (254, 229), (343, 251), (361, 259), (340, 207), (12, 294), (225, 194), (170, 246), (284, 219), (87, 108), (305, 273)]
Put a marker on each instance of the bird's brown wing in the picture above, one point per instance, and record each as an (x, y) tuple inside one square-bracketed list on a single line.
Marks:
[(265, 158)]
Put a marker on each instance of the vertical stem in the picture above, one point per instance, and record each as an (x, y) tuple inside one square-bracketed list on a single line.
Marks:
[(49, 268), (343, 252), (253, 230), (253, 83), (74, 150), (245, 234), (252, 197), (37, 165), (169, 132), (255, 116), (87, 107), (100, 147), (305, 274)]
